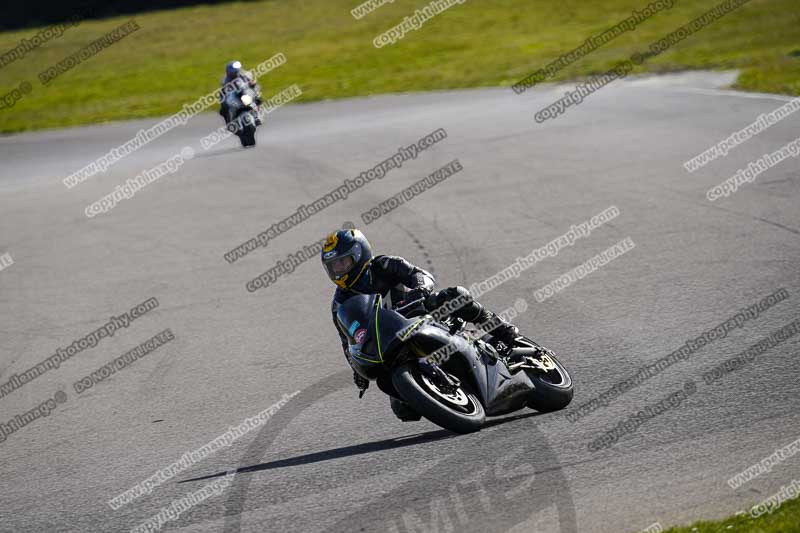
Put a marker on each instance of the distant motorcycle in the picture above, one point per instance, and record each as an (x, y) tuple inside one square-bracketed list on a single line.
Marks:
[(449, 378), (242, 111)]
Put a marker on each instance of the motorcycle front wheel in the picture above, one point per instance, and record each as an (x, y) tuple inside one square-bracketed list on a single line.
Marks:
[(453, 408), (248, 135)]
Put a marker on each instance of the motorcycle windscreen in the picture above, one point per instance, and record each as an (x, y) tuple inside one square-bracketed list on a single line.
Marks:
[(232, 100), (355, 316), (391, 331), (372, 331)]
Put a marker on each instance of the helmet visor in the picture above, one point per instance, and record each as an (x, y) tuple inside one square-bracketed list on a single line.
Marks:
[(339, 266)]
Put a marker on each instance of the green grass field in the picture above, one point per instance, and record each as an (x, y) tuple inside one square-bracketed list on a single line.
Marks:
[(179, 55), (786, 519)]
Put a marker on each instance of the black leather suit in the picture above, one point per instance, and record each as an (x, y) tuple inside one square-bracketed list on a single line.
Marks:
[(394, 276)]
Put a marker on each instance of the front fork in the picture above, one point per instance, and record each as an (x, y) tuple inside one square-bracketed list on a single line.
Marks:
[(432, 371), (438, 376)]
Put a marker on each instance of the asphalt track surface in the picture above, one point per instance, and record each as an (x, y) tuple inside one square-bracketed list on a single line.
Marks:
[(327, 461)]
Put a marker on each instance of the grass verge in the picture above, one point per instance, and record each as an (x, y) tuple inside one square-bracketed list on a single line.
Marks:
[(179, 55), (786, 519)]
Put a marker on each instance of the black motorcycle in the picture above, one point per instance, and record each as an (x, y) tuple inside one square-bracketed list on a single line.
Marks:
[(241, 103), (441, 371)]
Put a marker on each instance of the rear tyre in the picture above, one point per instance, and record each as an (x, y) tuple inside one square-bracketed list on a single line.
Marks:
[(554, 388), (459, 410)]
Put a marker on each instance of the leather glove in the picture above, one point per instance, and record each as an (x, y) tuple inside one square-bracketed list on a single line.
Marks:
[(361, 382), (433, 300), (416, 294)]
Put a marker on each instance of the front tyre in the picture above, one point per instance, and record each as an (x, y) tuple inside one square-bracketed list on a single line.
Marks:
[(452, 408), (248, 136)]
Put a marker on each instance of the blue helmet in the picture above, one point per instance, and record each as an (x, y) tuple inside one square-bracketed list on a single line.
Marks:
[(233, 68), (345, 256)]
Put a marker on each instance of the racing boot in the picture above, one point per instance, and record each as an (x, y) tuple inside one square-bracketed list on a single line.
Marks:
[(501, 330), (403, 411)]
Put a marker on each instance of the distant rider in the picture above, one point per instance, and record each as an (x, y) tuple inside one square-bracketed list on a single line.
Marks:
[(233, 71)]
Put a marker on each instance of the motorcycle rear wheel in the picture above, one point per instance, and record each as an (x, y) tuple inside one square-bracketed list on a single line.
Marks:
[(554, 389)]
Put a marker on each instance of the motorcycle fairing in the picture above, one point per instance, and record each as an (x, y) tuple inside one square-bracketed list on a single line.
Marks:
[(382, 325), (498, 390), (504, 392)]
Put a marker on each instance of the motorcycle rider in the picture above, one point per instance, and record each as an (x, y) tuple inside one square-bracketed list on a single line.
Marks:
[(234, 70), (348, 260)]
